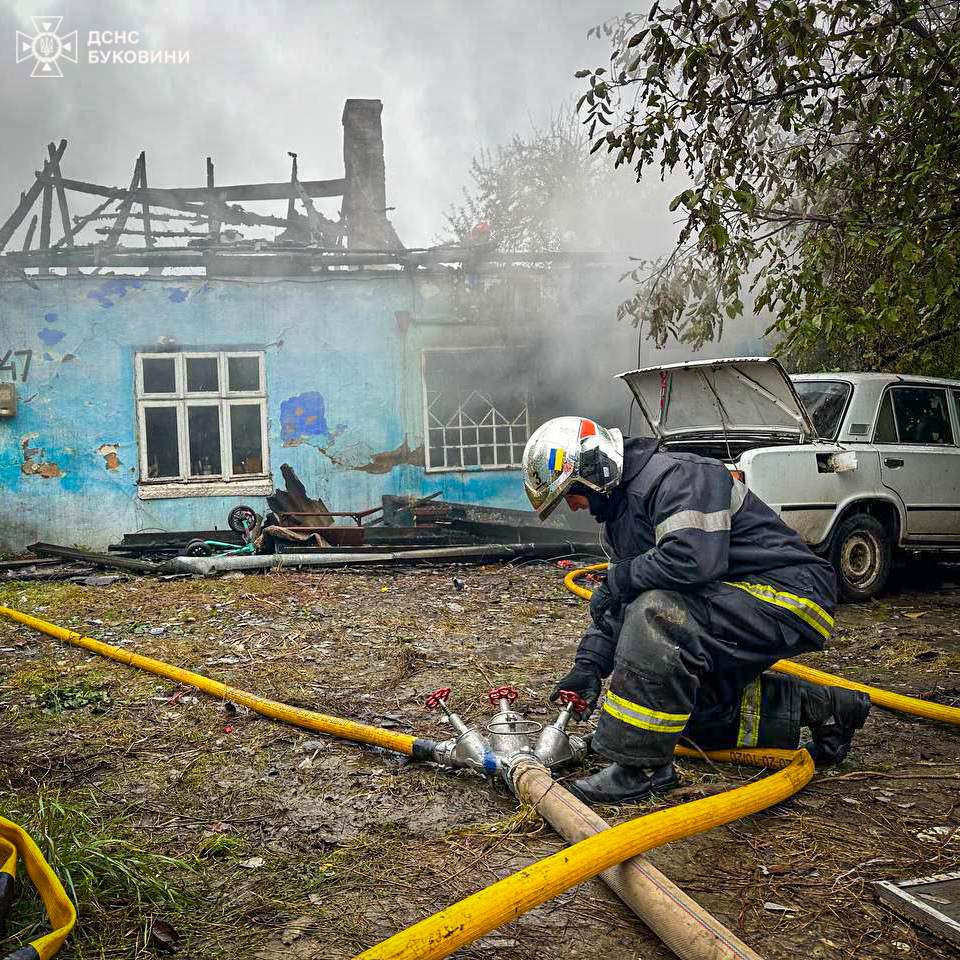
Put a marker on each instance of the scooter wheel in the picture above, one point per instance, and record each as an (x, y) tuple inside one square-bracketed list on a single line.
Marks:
[(243, 518), (197, 548)]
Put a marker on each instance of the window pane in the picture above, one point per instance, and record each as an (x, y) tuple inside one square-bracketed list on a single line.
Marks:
[(886, 431), (163, 452), (825, 401), (479, 392), (159, 375), (202, 375), (204, 432), (922, 415), (244, 373), (245, 436)]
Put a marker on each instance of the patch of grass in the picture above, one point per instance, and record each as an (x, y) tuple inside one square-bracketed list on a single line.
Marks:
[(108, 872), (907, 651), (526, 822), (74, 697), (220, 845), (35, 680)]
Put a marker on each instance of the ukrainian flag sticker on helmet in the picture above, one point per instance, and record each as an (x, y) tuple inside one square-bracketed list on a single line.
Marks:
[(556, 459)]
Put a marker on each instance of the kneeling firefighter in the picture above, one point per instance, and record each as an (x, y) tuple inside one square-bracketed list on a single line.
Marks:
[(707, 588)]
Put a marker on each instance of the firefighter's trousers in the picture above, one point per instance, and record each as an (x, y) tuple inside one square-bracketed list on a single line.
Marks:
[(692, 664)]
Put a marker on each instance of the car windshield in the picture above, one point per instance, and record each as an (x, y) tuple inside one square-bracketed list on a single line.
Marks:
[(825, 401)]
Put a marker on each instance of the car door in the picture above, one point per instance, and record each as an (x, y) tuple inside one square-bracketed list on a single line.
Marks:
[(919, 458)]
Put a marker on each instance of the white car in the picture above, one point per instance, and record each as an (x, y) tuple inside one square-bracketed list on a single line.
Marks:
[(860, 464)]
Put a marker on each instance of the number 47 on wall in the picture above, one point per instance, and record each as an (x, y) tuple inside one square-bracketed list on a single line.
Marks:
[(6, 364)]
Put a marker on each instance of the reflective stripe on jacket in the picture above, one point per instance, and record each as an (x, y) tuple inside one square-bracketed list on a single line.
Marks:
[(680, 522)]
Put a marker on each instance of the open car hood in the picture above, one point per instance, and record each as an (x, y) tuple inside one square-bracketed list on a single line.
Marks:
[(740, 396)]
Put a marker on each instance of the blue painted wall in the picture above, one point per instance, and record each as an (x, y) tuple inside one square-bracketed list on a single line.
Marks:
[(333, 348)]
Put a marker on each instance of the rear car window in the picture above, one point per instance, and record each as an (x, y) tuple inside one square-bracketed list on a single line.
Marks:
[(825, 401), (886, 431), (922, 415)]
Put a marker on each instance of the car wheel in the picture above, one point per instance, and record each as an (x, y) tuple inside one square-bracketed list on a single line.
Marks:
[(861, 554)]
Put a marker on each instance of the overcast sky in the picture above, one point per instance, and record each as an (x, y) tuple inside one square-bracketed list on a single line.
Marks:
[(268, 77)]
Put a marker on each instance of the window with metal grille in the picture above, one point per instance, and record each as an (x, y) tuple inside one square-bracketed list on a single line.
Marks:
[(202, 419), (475, 409)]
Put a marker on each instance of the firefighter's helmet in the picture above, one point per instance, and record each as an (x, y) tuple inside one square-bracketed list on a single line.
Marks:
[(569, 450)]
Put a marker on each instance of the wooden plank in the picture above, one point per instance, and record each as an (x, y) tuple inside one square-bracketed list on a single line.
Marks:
[(182, 197), (908, 903), (46, 212), (131, 232), (293, 179), (81, 222), (124, 211), (321, 229), (150, 242), (61, 194), (28, 199), (154, 217), (213, 224), (28, 239), (148, 234), (57, 178)]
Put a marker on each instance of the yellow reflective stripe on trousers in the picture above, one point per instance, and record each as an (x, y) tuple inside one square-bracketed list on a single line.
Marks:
[(643, 717), (749, 733), (808, 611)]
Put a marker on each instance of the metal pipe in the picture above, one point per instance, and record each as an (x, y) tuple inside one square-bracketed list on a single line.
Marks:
[(208, 565)]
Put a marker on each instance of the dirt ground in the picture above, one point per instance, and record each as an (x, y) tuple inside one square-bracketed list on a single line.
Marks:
[(184, 823)]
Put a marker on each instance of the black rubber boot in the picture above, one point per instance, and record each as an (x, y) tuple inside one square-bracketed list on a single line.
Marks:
[(834, 715), (619, 783)]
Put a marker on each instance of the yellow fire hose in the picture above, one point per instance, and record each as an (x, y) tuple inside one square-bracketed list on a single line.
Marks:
[(460, 924), (320, 722), (882, 698), (487, 909), (465, 921), (15, 840)]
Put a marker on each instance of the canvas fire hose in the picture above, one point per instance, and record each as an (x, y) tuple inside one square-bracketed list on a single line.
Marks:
[(522, 752), (16, 843)]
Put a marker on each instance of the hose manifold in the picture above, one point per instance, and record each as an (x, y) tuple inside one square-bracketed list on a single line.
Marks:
[(510, 737)]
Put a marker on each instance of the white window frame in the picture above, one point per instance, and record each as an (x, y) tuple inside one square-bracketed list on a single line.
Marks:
[(226, 483), (428, 423)]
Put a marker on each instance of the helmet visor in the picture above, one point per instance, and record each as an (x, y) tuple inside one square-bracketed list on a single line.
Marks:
[(545, 498)]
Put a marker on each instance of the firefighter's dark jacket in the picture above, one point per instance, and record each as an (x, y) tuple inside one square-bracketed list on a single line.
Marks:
[(681, 522)]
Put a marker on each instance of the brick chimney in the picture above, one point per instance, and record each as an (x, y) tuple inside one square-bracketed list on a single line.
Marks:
[(365, 194)]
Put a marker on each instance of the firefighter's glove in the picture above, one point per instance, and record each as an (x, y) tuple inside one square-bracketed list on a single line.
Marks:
[(620, 582), (583, 679), (601, 603)]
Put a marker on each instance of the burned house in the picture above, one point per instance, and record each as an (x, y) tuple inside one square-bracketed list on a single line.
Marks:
[(157, 367)]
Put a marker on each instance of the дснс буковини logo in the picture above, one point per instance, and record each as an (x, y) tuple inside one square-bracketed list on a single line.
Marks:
[(46, 47)]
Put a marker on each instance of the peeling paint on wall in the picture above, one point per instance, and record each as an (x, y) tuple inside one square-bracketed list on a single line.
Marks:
[(344, 380), (177, 294), (111, 458), (302, 416), (35, 459), (382, 462)]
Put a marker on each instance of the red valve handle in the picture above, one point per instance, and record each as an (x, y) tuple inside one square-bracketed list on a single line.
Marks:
[(503, 693), (577, 702), (435, 698)]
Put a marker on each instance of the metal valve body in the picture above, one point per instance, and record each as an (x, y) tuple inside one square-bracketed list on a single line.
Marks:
[(509, 736)]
